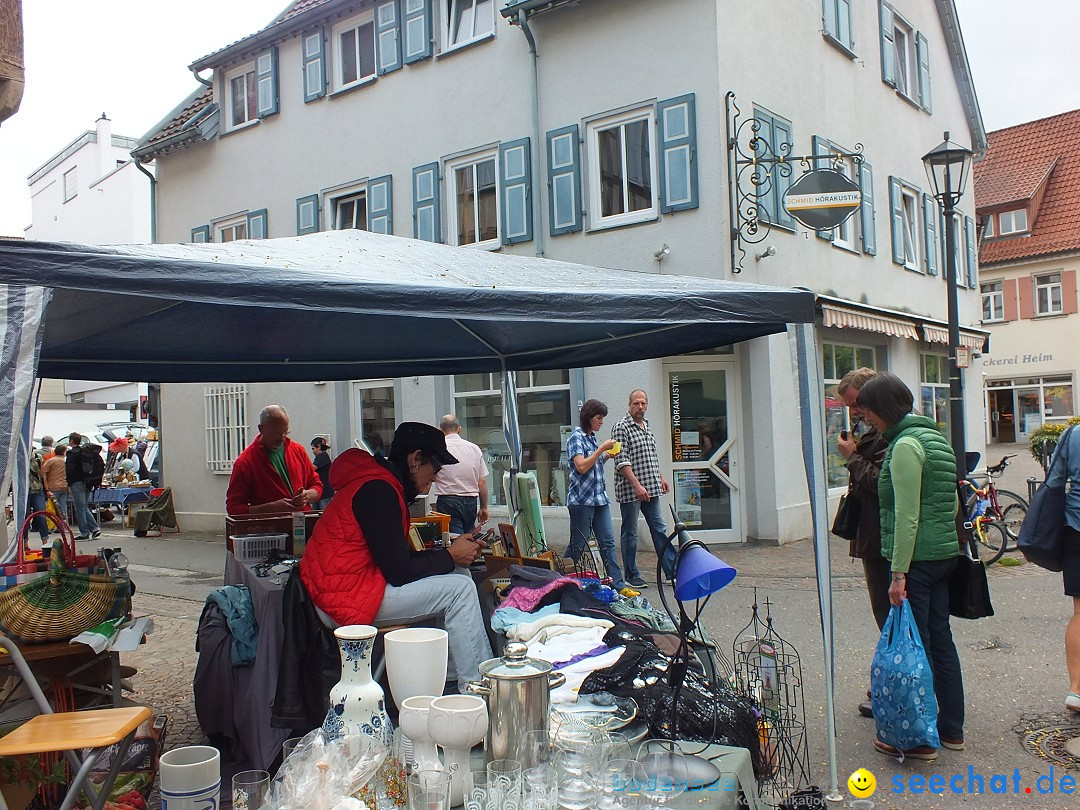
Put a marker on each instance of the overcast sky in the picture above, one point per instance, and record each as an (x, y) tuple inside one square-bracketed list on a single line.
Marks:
[(85, 57)]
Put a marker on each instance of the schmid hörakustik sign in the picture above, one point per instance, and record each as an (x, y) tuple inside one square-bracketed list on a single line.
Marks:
[(822, 199)]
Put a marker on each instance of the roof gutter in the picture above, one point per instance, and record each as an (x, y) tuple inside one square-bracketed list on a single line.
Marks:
[(954, 39), (523, 21), (207, 82), (513, 11)]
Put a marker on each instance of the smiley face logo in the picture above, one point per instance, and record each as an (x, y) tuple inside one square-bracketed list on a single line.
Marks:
[(862, 784)]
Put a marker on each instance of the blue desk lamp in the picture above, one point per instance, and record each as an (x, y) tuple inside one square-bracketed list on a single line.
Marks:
[(698, 575)]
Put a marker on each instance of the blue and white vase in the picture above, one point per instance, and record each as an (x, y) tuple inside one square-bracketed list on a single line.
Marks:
[(357, 702)]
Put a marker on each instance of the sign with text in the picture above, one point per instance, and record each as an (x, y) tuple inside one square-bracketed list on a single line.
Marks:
[(822, 199)]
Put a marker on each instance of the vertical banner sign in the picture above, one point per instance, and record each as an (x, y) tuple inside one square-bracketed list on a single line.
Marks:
[(676, 419)]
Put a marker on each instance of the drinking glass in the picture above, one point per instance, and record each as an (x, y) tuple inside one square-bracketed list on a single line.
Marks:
[(665, 770), (507, 776), (540, 788), (577, 777), (534, 749), (249, 790), (616, 745), (289, 746), (429, 790), (482, 791), (621, 785)]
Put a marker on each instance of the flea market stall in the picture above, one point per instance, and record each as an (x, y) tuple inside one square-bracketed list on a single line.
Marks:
[(354, 305)]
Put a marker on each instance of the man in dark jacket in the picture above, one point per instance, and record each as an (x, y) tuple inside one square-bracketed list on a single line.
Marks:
[(864, 450), (79, 488)]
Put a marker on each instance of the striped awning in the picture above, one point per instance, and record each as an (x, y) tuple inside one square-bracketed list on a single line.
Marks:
[(847, 318), (938, 334)]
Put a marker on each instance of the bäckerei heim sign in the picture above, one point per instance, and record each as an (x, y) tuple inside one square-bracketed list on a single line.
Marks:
[(822, 199)]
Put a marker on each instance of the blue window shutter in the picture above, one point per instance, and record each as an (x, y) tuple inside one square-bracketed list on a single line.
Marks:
[(426, 214), (930, 234), (515, 166), (896, 209), (972, 254), (257, 224), (866, 209), (387, 36), (200, 234), (782, 135), (307, 214), (821, 147), (417, 30), (314, 54), (888, 49), (922, 48), (828, 18), (677, 135), (767, 200), (564, 180), (380, 204), (266, 82), (845, 32)]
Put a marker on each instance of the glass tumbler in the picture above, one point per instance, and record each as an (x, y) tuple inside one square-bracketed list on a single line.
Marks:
[(429, 790), (250, 789)]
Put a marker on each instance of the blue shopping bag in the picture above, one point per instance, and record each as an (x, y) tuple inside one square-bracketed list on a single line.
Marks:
[(902, 685)]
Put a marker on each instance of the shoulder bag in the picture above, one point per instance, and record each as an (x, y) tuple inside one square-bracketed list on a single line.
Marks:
[(846, 522), (969, 590), (1043, 530)]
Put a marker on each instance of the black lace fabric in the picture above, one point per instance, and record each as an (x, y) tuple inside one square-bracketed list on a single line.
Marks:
[(707, 712)]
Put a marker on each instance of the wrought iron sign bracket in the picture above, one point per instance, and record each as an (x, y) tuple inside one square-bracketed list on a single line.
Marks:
[(755, 167)]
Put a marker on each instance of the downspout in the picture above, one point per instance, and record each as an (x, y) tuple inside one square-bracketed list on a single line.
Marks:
[(523, 21), (207, 82), (153, 200)]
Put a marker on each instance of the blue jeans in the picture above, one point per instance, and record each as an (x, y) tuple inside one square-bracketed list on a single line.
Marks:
[(461, 509), (654, 519), (80, 495), (35, 502), (62, 501), (928, 595), (586, 520)]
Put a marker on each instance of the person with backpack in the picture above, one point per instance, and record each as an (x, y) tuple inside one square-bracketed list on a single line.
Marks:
[(84, 467)]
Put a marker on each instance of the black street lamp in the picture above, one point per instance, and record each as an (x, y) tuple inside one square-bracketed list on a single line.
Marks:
[(947, 168)]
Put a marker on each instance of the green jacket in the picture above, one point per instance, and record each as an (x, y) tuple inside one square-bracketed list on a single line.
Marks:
[(917, 493)]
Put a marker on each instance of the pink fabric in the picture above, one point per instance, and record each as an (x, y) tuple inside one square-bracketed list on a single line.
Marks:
[(527, 599)]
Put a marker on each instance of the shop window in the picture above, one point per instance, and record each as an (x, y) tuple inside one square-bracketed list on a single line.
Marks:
[(934, 389), (545, 422), (837, 360)]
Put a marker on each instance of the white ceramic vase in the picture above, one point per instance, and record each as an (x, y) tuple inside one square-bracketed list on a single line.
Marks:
[(416, 661), (457, 723), (413, 719), (357, 702)]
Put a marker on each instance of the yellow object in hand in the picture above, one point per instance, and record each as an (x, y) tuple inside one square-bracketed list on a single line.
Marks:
[(616, 448)]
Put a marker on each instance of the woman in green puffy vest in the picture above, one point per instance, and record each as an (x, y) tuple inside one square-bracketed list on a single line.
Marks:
[(917, 494)]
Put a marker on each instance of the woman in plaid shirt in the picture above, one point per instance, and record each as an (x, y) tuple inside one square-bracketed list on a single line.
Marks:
[(586, 497)]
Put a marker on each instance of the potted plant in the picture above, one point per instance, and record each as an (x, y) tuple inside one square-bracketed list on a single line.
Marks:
[(1049, 433)]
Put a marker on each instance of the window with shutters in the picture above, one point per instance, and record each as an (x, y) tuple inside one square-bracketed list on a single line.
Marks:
[(232, 229), (473, 189), (993, 301), (71, 183), (350, 211), (775, 133), (836, 25), (354, 56), (909, 209), (1010, 222), (845, 235), (905, 57), (242, 90), (623, 172), (904, 54), (469, 21), (225, 408), (1048, 299)]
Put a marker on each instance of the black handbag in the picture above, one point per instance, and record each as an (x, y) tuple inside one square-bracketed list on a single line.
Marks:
[(846, 522), (969, 590), (1042, 534)]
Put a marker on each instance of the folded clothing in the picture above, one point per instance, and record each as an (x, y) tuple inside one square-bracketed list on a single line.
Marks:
[(503, 618), (528, 598), (557, 624), (562, 648), (578, 671)]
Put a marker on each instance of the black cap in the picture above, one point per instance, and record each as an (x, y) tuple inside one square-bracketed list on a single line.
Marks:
[(428, 439)]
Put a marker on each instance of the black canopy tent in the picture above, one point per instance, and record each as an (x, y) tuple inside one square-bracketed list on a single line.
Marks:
[(354, 305)]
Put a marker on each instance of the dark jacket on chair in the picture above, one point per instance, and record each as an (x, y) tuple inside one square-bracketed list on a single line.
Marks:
[(309, 666)]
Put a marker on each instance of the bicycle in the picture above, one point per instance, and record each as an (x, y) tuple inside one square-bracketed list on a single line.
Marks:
[(990, 534), (1004, 506)]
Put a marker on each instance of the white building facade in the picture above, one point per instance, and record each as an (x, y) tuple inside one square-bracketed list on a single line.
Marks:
[(92, 191), (432, 119)]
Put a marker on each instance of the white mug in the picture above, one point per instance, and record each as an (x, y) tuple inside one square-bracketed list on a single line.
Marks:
[(191, 778)]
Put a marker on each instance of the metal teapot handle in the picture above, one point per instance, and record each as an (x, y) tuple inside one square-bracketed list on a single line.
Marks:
[(556, 679), (482, 688)]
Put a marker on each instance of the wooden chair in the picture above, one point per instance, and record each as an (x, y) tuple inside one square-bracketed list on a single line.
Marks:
[(70, 732)]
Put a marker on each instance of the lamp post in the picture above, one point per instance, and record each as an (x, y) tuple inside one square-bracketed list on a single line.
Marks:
[(947, 166)]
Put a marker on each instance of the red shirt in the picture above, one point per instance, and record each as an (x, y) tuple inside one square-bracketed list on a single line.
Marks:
[(254, 480)]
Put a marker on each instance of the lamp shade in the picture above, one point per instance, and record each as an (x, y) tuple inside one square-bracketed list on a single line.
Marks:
[(947, 166), (700, 573)]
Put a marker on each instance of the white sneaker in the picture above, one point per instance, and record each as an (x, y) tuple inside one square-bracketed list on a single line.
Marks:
[(1072, 702)]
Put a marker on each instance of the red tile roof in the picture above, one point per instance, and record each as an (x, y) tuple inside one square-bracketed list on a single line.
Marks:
[(176, 124), (1016, 161)]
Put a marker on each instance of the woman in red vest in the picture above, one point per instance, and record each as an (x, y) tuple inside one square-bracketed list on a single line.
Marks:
[(359, 566)]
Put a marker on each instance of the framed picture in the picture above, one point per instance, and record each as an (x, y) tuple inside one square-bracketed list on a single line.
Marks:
[(508, 538)]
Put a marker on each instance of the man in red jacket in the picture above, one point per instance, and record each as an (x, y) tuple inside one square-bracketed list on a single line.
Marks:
[(274, 473)]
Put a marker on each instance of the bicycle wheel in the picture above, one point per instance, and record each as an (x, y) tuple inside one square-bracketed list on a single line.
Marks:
[(1013, 512), (991, 537)]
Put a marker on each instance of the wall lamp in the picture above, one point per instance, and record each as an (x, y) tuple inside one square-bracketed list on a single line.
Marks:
[(662, 252), (769, 251)]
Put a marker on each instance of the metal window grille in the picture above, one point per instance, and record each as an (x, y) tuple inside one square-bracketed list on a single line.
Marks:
[(226, 425)]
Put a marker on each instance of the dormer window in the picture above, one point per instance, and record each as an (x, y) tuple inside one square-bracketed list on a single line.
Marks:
[(1010, 222), (243, 96), (988, 228)]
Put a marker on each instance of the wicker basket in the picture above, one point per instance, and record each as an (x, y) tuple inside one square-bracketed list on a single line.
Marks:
[(64, 603)]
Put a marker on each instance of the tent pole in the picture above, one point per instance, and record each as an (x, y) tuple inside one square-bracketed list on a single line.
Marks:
[(804, 356), (512, 434)]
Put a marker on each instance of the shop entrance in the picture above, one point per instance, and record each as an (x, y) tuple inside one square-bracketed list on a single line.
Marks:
[(1002, 416), (702, 409)]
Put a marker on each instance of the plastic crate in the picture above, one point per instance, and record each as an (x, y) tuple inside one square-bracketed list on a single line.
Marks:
[(250, 548)]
